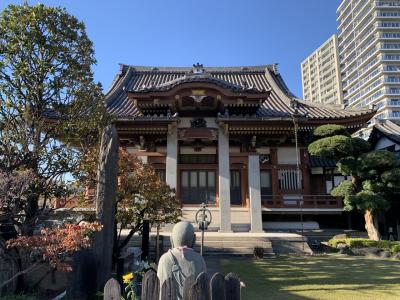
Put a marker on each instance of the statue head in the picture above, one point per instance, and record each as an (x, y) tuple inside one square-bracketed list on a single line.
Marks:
[(183, 235)]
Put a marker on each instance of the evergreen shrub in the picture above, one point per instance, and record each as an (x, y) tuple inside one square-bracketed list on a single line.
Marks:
[(393, 246)]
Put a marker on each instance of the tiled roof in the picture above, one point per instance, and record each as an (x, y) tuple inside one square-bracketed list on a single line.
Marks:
[(205, 78), (318, 161), (388, 129), (118, 103), (254, 79)]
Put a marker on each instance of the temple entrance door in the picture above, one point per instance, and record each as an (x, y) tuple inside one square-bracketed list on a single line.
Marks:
[(266, 185), (198, 186), (236, 187)]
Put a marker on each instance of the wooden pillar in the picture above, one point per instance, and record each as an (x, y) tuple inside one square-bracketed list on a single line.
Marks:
[(244, 185), (274, 171), (304, 161)]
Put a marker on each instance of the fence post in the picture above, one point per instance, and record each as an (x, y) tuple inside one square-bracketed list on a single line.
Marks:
[(150, 286), (169, 289), (187, 286), (199, 290), (112, 290), (232, 286), (217, 287)]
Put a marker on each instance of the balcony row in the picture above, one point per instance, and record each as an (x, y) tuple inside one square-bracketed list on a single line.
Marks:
[(303, 201)]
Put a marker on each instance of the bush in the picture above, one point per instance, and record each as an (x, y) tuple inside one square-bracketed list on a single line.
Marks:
[(330, 130), (332, 147), (393, 246)]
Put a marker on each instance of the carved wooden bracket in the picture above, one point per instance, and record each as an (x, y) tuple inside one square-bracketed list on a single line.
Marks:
[(210, 134)]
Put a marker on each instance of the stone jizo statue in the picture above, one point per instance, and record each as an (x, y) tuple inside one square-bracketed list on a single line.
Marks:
[(181, 261)]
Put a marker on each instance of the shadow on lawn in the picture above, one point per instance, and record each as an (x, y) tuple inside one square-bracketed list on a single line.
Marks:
[(286, 277)]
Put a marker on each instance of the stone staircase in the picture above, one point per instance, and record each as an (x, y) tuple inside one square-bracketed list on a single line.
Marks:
[(237, 242), (240, 219), (215, 243)]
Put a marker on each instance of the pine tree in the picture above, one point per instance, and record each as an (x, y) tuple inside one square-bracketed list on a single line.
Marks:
[(375, 175)]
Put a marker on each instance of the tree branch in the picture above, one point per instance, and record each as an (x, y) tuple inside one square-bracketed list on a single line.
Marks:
[(27, 270)]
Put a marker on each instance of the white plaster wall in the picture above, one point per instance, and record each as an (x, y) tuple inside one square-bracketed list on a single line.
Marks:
[(161, 149), (263, 150), (132, 150), (383, 143), (144, 159), (234, 149), (135, 150), (317, 171), (287, 155)]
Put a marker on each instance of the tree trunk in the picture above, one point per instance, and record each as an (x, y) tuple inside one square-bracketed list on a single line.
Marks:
[(145, 239), (106, 191), (371, 225)]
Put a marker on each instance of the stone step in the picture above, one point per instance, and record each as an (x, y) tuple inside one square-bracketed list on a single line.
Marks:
[(237, 216), (236, 227), (241, 227), (220, 243), (233, 250), (291, 247), (227, 250), (236, 244), (166, 240)]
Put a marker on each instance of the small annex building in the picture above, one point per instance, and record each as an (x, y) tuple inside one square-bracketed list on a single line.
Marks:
[(385, 135), (226, 136)]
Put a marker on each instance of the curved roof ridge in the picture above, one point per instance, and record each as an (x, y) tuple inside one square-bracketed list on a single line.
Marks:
[(388, 128), (216, 69), (283, 85), (119, 79), (192, 77), (279, 89), (334, 106), (187, 78), (253, 79)]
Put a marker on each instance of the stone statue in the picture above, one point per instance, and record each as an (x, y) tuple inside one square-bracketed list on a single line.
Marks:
[(181, 261)]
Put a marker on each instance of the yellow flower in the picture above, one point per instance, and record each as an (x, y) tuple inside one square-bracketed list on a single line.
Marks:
[(128, 277)]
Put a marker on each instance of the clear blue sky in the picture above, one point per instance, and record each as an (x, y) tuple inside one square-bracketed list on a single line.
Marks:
[(212, 32)]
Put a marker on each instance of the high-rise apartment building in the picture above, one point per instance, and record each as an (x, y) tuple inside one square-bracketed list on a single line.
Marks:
[(369, 49), (320, 74)]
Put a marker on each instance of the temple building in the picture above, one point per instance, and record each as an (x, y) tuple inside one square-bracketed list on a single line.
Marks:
[(234, 138)]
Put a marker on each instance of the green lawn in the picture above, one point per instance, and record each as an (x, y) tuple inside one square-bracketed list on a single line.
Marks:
[(327, 277)]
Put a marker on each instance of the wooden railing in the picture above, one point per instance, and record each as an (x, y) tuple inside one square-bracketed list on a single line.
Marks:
[(308, 201)]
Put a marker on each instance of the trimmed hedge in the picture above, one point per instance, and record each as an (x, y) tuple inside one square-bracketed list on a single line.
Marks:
[(393, 246)]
